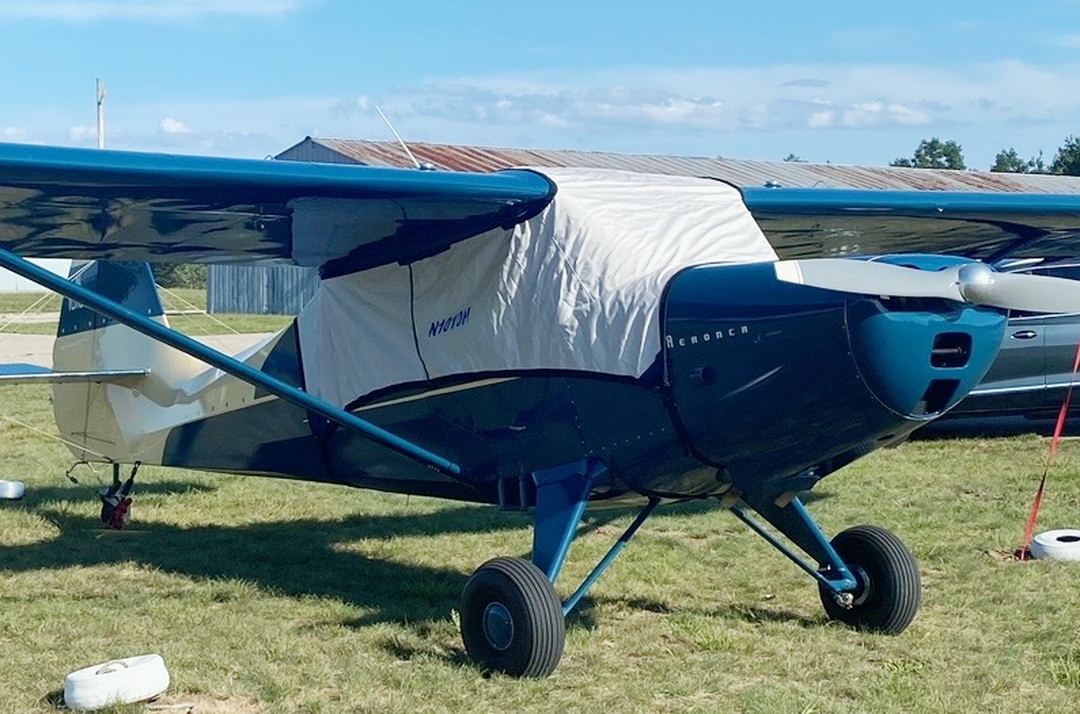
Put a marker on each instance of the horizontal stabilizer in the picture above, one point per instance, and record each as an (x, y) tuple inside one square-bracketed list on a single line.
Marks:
[(24, 373)]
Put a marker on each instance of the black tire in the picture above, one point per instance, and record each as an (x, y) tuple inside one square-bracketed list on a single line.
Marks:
[(513, 589), (890, 588)]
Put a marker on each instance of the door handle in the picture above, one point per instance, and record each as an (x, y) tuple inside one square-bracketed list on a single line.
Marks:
[(1025, 335)]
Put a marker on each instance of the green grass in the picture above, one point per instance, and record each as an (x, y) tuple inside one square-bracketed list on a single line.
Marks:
[(174, 300), (272, 596)]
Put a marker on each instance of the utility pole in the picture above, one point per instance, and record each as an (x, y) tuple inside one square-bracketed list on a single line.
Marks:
[(100, 114)]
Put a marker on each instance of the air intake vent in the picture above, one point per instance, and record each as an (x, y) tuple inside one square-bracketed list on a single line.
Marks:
[(936, 397), (951, 349), (910, 304)]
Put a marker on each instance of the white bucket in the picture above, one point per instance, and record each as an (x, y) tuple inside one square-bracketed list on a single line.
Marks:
[(1061, 544), (12, 490), (120, 681)]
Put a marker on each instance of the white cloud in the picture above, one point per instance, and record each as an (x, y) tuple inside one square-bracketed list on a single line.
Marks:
[(82, 134), (736, 110), (13, 133), (764, 98), (348, 107), (553, 120), (744, 111), (876, 113), (807, 82), (138, 10), (237, 127), (1070, 40), (173, 126)]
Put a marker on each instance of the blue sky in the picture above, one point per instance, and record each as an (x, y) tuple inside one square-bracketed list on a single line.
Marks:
[(846, 82)]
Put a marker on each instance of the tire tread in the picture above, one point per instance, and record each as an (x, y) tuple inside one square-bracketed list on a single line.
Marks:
[(895, 613), (543, 608)]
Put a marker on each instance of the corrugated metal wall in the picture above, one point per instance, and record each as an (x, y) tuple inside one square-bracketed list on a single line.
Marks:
[(12, 283), (268, 290), (259, 289)]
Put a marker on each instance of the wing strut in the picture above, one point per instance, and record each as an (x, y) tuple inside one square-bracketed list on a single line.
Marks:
[(225, 363)]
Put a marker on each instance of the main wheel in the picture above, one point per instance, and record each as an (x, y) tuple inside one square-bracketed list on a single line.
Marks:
[(512, 620), (889, 588)]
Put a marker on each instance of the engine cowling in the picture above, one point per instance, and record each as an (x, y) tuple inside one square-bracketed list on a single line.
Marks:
[(771, 380)]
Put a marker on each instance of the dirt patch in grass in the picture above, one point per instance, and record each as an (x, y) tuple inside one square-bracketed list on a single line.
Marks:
[(202, 704)]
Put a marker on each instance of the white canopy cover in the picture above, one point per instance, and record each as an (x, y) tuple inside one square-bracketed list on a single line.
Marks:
[(577, 287)]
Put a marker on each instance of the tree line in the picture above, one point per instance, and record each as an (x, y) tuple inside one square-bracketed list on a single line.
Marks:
[(934, 153)]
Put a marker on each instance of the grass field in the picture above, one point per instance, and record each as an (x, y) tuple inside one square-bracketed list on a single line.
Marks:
[(273, 596), (181, 303)]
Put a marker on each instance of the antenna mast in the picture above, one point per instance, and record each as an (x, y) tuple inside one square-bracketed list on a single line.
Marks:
[(100, 114), (398, 137)]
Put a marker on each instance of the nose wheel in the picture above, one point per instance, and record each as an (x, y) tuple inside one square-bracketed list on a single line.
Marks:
[(512, 619), (888, 589)]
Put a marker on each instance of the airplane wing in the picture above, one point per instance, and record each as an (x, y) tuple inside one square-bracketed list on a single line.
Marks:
[(93, 204), (812, 222)]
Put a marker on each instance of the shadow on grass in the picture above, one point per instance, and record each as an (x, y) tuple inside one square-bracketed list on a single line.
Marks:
[(88, 490), (745, 613), (426, 648), (54, 699), (305, 557), (298, 558)]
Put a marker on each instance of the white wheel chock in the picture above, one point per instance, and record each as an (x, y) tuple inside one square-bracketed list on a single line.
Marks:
[(120, 681), (11, 490), (1061, 544)]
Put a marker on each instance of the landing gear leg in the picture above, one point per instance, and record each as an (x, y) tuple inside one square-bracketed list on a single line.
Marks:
[(512, 620), (866, 577)]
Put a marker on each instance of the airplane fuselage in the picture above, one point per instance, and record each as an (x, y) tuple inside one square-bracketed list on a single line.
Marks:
[(760, 385)]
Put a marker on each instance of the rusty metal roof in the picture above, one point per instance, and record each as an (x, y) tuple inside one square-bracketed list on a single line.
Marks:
[(741, 173)]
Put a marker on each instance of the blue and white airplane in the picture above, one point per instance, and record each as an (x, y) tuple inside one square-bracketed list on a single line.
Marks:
[(550, 340)]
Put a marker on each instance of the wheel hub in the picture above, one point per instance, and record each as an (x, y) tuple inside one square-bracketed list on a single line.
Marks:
[(498, 626), (862, 592), (853, 598)]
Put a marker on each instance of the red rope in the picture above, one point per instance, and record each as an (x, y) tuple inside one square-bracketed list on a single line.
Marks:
[(1055, 444)]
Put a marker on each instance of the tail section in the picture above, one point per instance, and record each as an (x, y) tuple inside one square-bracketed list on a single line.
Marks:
[(130, 284), (102, 418), (175, 411)]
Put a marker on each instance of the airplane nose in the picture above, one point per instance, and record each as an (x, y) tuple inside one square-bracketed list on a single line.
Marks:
[(768, 377), (921, 357)]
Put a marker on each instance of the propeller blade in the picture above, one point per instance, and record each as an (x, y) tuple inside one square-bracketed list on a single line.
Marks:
[(870, 278), (1031, 293), (973, 283)]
